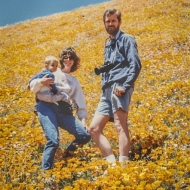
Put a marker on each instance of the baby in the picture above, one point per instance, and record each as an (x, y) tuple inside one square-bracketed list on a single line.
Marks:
[(63, 100)]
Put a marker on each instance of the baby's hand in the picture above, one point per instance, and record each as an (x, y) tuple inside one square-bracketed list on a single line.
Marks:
[(47, 81)]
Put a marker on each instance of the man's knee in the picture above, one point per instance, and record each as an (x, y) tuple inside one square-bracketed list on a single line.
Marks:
[(93, 130), (119, 128)]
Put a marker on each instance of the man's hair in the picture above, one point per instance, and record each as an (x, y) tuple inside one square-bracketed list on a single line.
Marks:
[(112, 11), (70, 51), (50, 59)]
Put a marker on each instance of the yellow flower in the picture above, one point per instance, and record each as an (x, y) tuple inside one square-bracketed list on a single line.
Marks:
[(188, 167), (159, 109)]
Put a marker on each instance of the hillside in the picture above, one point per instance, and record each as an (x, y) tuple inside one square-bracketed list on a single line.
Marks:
[(159, 112)]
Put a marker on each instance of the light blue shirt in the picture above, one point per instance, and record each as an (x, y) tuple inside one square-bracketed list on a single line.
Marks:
[(122, 52)]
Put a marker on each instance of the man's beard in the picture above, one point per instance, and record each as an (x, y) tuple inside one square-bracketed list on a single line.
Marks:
[(112, 32)]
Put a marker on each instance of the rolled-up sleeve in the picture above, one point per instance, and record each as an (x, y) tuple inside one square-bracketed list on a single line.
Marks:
[(131, 53)]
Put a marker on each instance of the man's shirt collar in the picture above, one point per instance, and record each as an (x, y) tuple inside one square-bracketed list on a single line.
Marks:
[(112, 41)]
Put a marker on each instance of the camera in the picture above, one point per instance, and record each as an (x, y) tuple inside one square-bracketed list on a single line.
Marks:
[(103, 69)]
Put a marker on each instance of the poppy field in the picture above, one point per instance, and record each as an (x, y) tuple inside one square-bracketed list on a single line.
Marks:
[(159, 114)]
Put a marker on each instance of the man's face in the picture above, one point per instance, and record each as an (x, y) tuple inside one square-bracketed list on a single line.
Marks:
[(112, 24)]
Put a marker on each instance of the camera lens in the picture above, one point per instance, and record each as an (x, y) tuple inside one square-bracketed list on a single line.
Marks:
[(97, 71), (103, 69)]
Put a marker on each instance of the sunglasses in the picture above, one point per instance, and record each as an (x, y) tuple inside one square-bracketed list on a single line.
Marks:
[(68, 57)]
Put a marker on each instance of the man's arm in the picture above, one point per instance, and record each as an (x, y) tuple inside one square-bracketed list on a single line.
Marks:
[(132, 57)]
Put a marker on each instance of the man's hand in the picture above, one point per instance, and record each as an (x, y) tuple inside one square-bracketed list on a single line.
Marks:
[(47, 81), (119, 91)]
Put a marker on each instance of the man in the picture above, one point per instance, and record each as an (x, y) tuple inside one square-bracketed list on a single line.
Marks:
[(117, 84)]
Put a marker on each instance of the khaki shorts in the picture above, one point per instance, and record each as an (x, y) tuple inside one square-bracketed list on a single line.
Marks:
[(109, 102)]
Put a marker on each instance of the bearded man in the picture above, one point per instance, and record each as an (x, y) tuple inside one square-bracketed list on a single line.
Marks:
[(117, 85)]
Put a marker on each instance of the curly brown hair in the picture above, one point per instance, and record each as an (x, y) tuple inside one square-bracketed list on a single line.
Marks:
[(70, 51)]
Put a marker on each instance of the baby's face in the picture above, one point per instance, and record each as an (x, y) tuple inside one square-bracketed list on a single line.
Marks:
[(53, 66)]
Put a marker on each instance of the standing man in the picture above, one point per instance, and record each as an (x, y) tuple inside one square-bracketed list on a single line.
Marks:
[(118, 78)]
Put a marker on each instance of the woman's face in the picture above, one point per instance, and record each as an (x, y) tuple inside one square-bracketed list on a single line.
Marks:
[(67, 62)]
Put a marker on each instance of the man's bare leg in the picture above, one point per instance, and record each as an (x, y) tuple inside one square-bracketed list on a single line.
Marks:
[(96, 130), (120, 120)]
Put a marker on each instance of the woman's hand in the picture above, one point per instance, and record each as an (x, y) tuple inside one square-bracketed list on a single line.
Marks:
[(66, 98), (119, 91), (47, 81), (74, 105)]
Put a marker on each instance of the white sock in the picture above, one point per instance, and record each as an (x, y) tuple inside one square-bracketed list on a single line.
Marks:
[(110, 158), (123, 160)]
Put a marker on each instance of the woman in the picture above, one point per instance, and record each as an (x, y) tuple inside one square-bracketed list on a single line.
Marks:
[(51, 116)]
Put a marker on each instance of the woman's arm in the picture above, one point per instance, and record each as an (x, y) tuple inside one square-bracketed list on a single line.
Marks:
[(78, 97), (50, 97), (36, 85)]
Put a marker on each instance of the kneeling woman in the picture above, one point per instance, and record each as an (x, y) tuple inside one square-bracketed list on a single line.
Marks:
[(51, 116)]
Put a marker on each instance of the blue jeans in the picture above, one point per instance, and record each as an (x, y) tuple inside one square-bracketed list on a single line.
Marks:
[(50, 117)]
